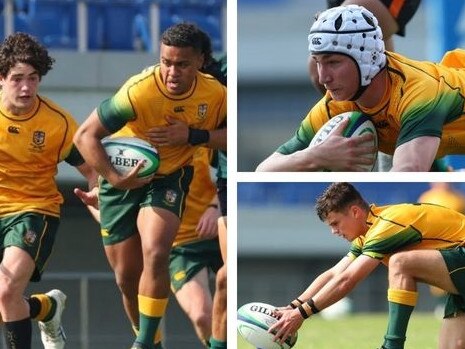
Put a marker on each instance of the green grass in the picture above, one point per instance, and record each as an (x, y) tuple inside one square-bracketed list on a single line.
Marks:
[(361, 331)]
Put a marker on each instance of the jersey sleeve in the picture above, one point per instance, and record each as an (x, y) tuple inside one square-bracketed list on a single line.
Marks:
[(116, 111), (425, 112)]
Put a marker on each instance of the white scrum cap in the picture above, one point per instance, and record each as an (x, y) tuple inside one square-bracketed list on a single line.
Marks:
[(353, 31)]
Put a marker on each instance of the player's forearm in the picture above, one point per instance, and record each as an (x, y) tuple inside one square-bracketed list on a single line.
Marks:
[(298, 161), (316, 285), (336, 289)]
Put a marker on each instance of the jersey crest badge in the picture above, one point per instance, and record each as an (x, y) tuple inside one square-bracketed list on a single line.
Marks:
[(202, 111), (38, 138), (170, 197), (30, 237)]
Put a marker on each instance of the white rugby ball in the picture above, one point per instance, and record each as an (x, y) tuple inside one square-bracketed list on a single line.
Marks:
[(359, 124), (125, 152), (253, 321)]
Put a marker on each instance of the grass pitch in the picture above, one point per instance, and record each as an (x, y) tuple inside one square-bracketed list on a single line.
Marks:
[(361, 331)]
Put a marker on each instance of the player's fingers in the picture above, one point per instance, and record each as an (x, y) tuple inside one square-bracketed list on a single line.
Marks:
[(339, 130), (367, 137)]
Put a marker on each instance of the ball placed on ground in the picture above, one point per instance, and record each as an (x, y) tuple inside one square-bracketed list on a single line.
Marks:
[(253, 321)]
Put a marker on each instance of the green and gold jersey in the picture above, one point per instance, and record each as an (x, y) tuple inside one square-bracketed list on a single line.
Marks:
[(31, 146), (201, 193), (409, 227), (143, 103), (421, 99)]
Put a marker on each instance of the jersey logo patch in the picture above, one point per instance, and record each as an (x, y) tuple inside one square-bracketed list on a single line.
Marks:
[(202, 111), (38, 142), (30, 237), (13, 129), (170, 197), (38, 138)]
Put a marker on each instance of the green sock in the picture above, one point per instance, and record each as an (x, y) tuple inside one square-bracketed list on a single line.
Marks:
[(217, 344), (147, 328), (399, 316)]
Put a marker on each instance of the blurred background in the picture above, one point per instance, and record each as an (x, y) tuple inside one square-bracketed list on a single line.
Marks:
[(97, 45), (282, 245), (274, 89)]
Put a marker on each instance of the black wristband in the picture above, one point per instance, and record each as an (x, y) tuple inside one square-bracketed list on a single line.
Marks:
[(295, 303), (311, 303), (303, 312), (197, 136)]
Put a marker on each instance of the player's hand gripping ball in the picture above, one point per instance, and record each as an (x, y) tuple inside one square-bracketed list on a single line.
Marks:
[(359, 124), (253, 321)]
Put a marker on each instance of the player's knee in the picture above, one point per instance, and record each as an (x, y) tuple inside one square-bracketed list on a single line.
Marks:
[(8, 289), (221, 280), (203, 322), (397, 263), (156, 259), (128, 284)]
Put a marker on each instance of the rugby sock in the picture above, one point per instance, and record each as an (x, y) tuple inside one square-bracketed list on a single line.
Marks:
[(401, 305), (217, 344), (18, 334), (151, 311), (42, 307), (156, 340)]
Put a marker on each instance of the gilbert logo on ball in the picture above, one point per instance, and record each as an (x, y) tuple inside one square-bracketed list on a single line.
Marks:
[(253, 321), (125, 152)]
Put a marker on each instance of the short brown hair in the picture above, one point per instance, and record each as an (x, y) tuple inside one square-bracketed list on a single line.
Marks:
[(24, 48), (337, 198)]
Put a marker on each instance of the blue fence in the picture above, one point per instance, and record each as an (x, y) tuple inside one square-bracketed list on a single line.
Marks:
[(111, 24)]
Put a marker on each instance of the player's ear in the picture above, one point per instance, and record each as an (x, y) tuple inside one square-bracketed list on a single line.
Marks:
[(355, 211)]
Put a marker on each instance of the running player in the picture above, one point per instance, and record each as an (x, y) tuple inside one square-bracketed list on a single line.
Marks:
[(416, 241), (166, 94), (36, 135), (417, 107)]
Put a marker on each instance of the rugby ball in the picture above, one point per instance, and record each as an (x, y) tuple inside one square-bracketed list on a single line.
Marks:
[(253, 321), (359, 124), (125, 152)]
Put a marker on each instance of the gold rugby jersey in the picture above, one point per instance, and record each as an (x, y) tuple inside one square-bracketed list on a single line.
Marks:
[(143, 102), (421, 99), (201, 193), (409, 227), (31, 146)]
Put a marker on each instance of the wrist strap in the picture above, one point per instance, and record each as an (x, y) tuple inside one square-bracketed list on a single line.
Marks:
[(296, 303), (311, 303), (197, 136), (303, 311)]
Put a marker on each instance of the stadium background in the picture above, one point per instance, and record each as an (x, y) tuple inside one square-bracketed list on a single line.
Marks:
[(274, 89), (97, 45), (282, 245)]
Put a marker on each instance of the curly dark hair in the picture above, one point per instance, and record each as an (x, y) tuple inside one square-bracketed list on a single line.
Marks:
[(337, 198), (189, 35), (24, 48)]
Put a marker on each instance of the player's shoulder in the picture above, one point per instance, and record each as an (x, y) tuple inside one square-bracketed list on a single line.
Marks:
[(207, 82), (50, 107), (146, 74)]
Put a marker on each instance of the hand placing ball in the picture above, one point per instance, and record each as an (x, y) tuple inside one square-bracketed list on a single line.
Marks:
[(126, 152), (253, 322)]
